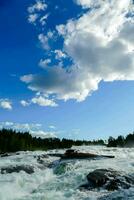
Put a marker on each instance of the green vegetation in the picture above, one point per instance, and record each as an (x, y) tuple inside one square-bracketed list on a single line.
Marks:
[(12, 141), (121, 141)]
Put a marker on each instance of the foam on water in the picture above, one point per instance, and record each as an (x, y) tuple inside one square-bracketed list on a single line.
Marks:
[(62, 183)]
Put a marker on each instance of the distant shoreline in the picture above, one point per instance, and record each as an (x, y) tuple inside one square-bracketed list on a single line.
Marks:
[(13, 141)]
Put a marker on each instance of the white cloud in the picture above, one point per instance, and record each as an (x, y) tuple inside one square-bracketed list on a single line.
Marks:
[(44, 63), (24, 103), (61, 29), (6, 104), (43, 134), (43, 19), (27, 79), (89, 3), (20, 126), (40, 5), (32, 18), (66, 85), (35, 12), (100, 44), (44, 41), (34, 129), (59, 54), (52, 127), (127, 35), (43, 101)]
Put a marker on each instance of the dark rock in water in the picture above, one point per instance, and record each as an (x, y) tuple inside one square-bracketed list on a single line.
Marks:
[(17, 169), (9, 154), (70, 151), (109, 179), (72, 154), (44, 162), (100, 176), (43, 156), (4, 155), (40, 158)]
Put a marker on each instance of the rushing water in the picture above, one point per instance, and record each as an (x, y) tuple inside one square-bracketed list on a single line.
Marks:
[(61, 182)]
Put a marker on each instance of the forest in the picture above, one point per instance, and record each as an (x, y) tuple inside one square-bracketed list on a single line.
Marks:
[(12, 141), (121, 141)]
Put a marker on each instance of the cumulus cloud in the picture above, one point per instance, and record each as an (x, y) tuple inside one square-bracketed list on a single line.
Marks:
[(65, 85), (6, 104), (34, 129), (100, 44)]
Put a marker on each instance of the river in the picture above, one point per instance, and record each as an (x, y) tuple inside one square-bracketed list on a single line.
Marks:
[(62, 181)]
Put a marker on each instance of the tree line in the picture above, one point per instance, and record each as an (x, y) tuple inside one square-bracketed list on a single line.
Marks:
[(12, 141), (121, 141)]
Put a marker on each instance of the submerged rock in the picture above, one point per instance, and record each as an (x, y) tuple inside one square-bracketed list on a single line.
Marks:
[(60, 168), (17, 169), (109, 179)]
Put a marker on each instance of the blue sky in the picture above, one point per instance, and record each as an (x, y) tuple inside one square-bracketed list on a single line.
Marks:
[(67, 70)]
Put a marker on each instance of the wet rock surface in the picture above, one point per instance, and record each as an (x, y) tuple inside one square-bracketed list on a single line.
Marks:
[(17, 169), (41, 158), (2, 155), (73, 154), (45, 162), (109, 179)]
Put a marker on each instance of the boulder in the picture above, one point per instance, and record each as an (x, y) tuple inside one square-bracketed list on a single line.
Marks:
[(108, 179), (9, 154), (17, 169), (4, 155), (73, 154)]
